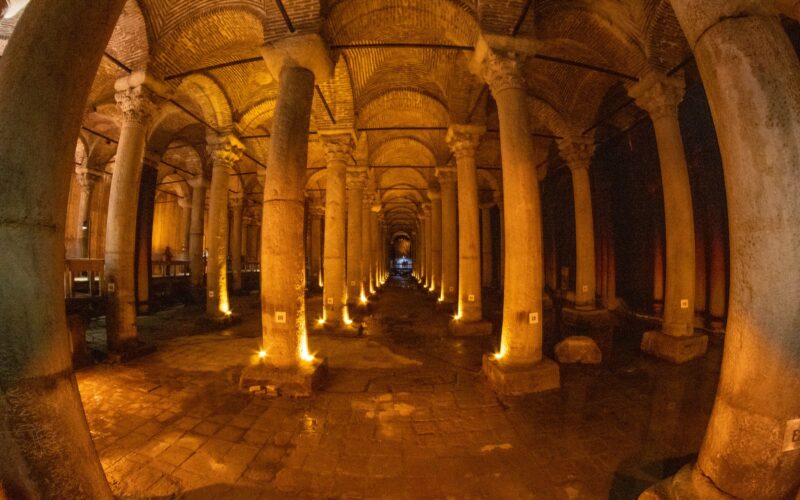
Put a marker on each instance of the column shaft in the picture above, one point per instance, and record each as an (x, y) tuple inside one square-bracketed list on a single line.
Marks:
[(316, 244), (217, 302), (196, 265), (487, 269), (585, 284), (436, 242), (186, 224), (449, 244), (356, 180), (236, 244), (366, 208)]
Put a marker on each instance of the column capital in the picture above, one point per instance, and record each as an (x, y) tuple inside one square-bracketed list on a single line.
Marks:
[(426, 209), (225, 150), (658, 94), (498, 61), (464, 139), (434, 193), (338, 144), (487, 205), (316, 210), (236, 200), (307, 51), (377, 207), (356, 177), (136, 96), (577, 150), (185, 203), (368, 197), (87, 177), (198, 182), (447, 175)]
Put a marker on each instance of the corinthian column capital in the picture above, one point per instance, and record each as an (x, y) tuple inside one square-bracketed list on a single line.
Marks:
[(338, 145), (498, 61), (87, 177), (356, 178), (464, 140), (224, 150), (577, 150), (659, 94), (447, 175), (307, 51), (136, 96)]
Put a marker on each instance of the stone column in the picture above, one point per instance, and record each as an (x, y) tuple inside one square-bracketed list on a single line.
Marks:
[(519, 367), (449, 244), (578, 152), (186, 224), (463, 141), (366, 244), (658, 270), (87, 178), (47, 451), (659, 96), (751, 75), (717, 277), (143, 255), (700, 281), (356, 182), (196, 264), (237, 208), (375, 221), (285, 361), (338, 147), (135, 97), (501, 279), (487, 264), (435, 196), (317, 213), (225, 151)]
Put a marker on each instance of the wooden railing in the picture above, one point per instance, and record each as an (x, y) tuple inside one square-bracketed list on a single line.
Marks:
[(162, 268), (89, 271)]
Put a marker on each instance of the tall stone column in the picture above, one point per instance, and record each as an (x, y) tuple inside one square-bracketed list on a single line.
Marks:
[(659, 96), (87, 178), (285, 361), (463, 141), (237, 208), (426, 219), (487, 263), (135, 97), (196, 264), (717, 292), (317, 213), (356, 182), (375, 220), (186, 225), (435, 196), (519, 367), (578, 152), (366, 244), (658, 270), (143, 255), (338, 148), (501, 278), (700, 281), (449, 245), (751, 75), (225, 151)]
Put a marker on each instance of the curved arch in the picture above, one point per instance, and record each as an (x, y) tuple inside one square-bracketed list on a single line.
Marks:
[(399, 151), (210, 97)]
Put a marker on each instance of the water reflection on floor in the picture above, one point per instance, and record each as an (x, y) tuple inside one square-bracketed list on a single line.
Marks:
[(405, 414)]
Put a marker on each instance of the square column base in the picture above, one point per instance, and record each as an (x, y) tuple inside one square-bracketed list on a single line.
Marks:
[(674, 349), (516, 380), (585, 318), (295, 381), (460, 328), (578, 349)]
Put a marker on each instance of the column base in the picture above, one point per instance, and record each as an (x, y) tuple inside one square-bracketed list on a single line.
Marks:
[(295, 381), (677, 350), (516, 380), (585, 319), (578, 349), (461, 328), (223, 319), (688, 482)]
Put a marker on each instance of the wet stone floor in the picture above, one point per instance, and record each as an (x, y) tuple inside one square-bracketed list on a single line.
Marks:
[(405, 414)]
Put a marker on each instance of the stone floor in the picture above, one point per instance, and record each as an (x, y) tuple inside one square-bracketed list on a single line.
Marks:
[(405, 414)]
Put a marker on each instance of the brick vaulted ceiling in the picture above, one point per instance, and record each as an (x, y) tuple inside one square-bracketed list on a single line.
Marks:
[(399, 98)]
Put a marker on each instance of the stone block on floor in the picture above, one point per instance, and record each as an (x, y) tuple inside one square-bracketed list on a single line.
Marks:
[(677, 350), (298, 381), (578, 349), (519, 379)]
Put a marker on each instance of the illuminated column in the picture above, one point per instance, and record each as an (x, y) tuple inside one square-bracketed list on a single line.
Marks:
[(659, 96), (366, 244), (286, 363), (87, 178), (338, 148), (374, 241), (449, 244), (487, 272), (499, 202), (196, 265), (463, 141), (436, 239), (135, 98), (317, 213), (519, 367), (356, 182), (237, 207), (225, 151), (186, 225), (752, 78), (426, 217)]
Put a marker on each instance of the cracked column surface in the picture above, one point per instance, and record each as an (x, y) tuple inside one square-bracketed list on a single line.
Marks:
[(752, 78), (225, 151), (47, 451), (285, 362), (135, 98), (519, 367), (338, 149), (660, 96), (196, 265), (463, 141)]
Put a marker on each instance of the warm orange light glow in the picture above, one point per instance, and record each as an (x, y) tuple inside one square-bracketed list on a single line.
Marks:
[(321, 321), (262, 354)]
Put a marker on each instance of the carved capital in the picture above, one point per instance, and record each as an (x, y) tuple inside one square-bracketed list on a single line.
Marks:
[(316, 210), (224, 150), (136, 96), (356, 178), (434, 193), (498, 61), (307, 51), (659, 94), (578, 151), (447, 175), (87, 177), (464, 140), (198, 182), (338, 146), (236, 200)]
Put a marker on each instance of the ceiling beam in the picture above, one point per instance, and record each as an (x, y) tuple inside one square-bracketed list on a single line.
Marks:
[(228, 64)]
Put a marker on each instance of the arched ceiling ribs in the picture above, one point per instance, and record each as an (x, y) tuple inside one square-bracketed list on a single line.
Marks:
[(403, 107), (207, 94), (401, 151)]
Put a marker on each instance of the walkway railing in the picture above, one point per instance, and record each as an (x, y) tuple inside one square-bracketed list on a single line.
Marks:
[(88, 271)]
